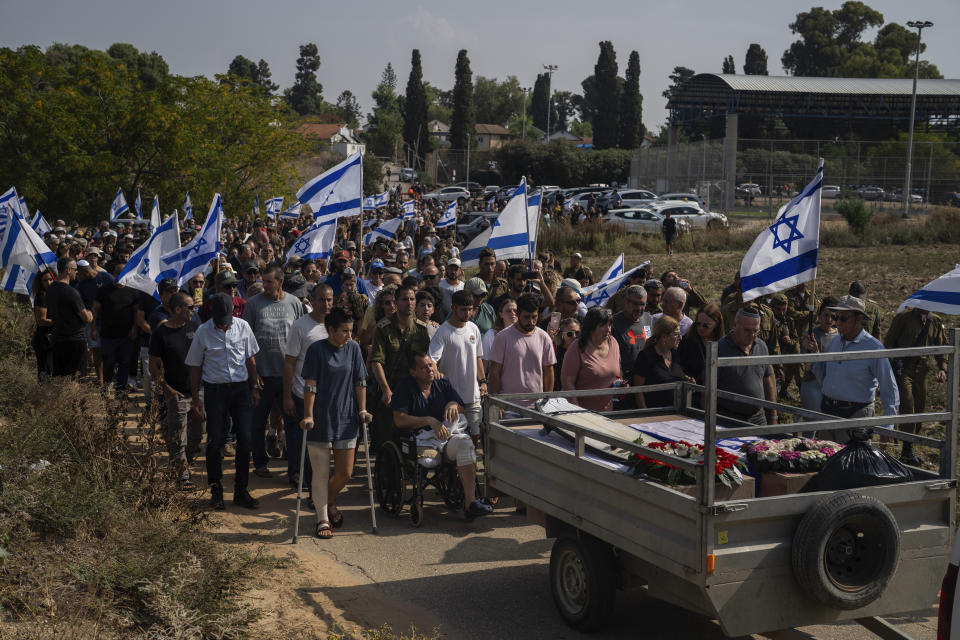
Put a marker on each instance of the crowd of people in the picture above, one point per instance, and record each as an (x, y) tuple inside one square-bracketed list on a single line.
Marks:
[(260, 352)]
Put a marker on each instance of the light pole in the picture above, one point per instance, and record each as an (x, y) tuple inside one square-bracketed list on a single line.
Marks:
[(523, 135), (550, 69), (919, 25)]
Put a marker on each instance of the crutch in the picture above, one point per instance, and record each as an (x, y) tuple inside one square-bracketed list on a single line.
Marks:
[(366, 445), (303, 454)]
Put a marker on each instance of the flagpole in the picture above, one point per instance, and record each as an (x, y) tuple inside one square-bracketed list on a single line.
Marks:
[(526, 217), (360, 228)]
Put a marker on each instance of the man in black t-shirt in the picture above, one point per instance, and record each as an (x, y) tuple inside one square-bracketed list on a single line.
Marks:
[(115, 311), (65, 308), (169, 344)]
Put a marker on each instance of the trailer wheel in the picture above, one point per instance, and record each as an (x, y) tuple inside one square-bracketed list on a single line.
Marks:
[(845, 550), (582, 580)]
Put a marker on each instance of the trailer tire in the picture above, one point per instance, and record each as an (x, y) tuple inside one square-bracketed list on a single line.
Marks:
[(846, 550), (582, 581)]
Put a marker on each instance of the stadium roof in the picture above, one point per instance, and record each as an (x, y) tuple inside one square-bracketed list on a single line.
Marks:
[(710, 94)]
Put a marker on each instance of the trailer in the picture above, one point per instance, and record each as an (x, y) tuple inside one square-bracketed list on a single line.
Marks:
[(757, 565)]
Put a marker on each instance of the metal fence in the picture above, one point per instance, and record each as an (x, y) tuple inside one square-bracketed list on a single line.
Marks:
[(446, 166)]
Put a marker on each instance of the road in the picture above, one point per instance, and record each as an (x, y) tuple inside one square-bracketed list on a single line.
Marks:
[(475, 580)]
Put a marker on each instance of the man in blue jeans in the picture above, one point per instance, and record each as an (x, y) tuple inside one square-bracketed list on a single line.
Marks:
[(222, 357)]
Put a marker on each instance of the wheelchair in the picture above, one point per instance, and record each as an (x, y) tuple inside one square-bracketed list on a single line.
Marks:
[(401, 477)]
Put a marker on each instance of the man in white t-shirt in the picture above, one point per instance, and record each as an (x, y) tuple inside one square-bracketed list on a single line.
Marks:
[(304, 331), (450, 284), (526, 349), (457, 350), (375, 283)]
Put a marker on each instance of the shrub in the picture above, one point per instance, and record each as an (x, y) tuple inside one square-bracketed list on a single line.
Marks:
[(856, 213)]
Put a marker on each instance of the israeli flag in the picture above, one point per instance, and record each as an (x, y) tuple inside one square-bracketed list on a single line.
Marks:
[(941, 296), (387, 230), (470, 256), (615, 270), (316, 242), (785, 253), (293, 212), (119, 205), (568, 204), (337, 192), (370, 203), (138, 206), (8, 205), (145, 267), (187, 208), (383, 199), (40, 225), (191, 259), (514, 234), (274, 206), (449, 217), (256, 206), (409, 209), (596, 295), (23, 252), (155, 215)]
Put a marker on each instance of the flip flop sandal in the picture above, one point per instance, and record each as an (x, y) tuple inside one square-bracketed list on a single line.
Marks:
[(323, 527)]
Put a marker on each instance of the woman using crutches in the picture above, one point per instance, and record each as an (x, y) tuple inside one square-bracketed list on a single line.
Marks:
[(334, 401)]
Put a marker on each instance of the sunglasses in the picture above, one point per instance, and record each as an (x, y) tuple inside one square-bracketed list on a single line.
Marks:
[(572, 334), (431, 276)]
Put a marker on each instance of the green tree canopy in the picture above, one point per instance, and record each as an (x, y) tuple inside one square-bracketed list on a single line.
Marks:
[(677, 78), (497, 102), (540, 101), (306, 94), (631, 106), (415, 133), (256, 73), (463, 122), (755, 63), (729, 66), (606, 123), (348, 108), (385, 123)]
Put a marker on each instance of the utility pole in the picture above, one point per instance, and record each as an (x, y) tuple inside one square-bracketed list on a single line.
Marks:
[(550, 69), (523, 135), (919, 25)]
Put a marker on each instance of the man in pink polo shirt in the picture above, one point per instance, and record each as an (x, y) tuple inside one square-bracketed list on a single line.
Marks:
[(522, 357)]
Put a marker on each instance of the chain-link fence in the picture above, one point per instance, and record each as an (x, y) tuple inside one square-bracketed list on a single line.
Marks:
[(767, 172), (446, 166)]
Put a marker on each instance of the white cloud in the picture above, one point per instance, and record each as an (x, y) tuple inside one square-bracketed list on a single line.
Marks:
[(436, 29)]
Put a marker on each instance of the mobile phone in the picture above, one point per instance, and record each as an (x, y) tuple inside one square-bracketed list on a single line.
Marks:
[(198, 293), (554, 321)]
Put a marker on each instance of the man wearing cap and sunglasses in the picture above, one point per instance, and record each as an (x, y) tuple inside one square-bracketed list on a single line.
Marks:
[(850, 386)]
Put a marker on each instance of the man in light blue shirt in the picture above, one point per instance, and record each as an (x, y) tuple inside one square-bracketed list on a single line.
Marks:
[(850, 387), (222, 356)]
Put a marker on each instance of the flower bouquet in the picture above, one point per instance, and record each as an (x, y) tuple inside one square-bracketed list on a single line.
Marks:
[(727, 468), (793, 455)]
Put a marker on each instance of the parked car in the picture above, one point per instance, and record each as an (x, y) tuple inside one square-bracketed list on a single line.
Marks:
[(475, 188), (474, 226), (489, 189), (683, 196), (896, 195), (870, 193), (697, 216), (749, 190), (948, 197), (449, 194), (642, 220), (830, 191), (407, 174)]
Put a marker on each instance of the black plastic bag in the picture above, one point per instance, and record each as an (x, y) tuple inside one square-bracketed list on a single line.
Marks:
[(859, 465)]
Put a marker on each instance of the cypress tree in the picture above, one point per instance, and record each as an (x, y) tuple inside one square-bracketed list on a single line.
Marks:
[(729, 66), (755, 63), (462, 124), (605, 126), (415, 133), (306, 94), (631, 106), (539, 101)]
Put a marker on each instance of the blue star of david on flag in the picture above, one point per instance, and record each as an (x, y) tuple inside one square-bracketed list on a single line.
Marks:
[(793, 233), (302, 245)]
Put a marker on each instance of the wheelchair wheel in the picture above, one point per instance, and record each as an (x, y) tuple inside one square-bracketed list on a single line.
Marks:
[(416, 514), (389, 479), (450, 488)]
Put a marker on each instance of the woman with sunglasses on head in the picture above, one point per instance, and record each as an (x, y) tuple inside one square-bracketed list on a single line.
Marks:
[(567, 333), (692, 352), (810, 392), (657, 363), (593, 361)]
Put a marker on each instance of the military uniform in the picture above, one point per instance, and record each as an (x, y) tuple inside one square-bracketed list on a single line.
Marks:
[(788, 338), (798, 308), (653, 308), (872, 309), (496, 288), (694, 301), (906, 331), (393, 349)]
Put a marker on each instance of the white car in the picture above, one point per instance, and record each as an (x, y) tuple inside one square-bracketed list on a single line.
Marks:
[(693, 213), (642, 220), (684, 196), (830, 191), (449, 194)]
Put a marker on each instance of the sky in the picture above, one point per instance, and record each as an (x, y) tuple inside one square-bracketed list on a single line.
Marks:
[(356, 39)]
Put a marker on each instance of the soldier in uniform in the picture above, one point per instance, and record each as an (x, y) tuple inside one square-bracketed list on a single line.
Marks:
[(871, 308), (798, 301), (395, 339), (615, 303), (655, 291), (496, 287), (788, 336), (914, 328)]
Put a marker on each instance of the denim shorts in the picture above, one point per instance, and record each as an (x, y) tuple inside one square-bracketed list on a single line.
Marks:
[(336, 444)]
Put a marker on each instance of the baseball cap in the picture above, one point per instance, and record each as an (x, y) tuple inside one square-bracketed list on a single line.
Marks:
[(221, 307), (376, 264), (225, 278), (167, 284), (453, 261), (476, 286), (341, 255), (249, 265)]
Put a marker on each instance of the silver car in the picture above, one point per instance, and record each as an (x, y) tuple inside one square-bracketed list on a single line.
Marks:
[(449, 194), (642, 220), (692, 213)]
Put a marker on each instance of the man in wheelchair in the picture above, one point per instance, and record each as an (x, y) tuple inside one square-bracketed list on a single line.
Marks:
[(430, 407)]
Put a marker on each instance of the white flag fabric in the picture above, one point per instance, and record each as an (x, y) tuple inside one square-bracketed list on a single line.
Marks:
[(596, 295), (187, 208), (513, 233), (615, 270), (23, 252), (470, 256), (119, 205), (274, 206), (256, 206), (145, 267), (155, 215), (40, 225), (8, 205), (293, 212), (409, 208), (387, 231), (940, 296), (785, 253), (449, 217), (370, 203), (193, 258), (138, 206), (316, 242), (337, 192)]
